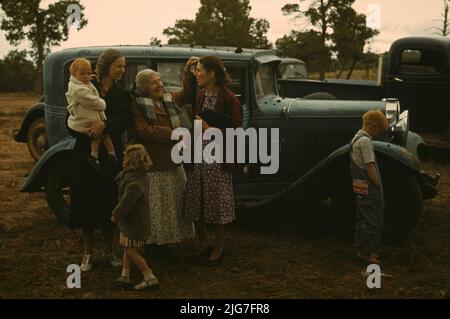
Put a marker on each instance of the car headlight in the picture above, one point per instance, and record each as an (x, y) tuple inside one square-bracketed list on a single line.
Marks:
[(392, 111), (401, 129)]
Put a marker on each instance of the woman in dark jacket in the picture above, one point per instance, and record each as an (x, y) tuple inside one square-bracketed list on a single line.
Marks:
[(209, 187), (94, 194)]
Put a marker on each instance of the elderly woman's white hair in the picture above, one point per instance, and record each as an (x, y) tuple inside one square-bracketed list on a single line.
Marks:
[(143, 79)]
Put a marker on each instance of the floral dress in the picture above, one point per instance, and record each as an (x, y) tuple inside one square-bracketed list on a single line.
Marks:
[(209, 188)]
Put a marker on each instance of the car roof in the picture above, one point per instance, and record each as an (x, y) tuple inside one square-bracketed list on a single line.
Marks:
[(291, 60), (423, 40), (173, 51)]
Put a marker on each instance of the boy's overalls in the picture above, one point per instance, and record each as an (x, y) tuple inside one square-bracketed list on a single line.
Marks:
[(369, 205)]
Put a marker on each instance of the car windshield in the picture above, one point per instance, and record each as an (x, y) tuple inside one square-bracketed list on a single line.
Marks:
[(265, 81), (293, 71)]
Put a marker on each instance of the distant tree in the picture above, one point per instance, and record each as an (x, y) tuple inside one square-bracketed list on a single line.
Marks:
[(349, 37), (15, 65), (304, 46), (155, 41), (328, 17), (221, 23), (444, 30), (43, 28)]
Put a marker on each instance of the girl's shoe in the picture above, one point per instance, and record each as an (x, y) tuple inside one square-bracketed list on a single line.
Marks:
[(151, 281), (124, 280), (86, 264), (113, 260)]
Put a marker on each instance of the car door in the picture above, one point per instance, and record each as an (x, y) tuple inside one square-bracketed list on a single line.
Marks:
[(420, 80)]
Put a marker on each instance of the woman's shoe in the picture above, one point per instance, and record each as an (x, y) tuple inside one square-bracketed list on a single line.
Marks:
[(86, 264), (205, 253), (216, 262), (113, 260)]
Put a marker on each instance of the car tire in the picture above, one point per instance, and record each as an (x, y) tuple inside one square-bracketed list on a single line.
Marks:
[(37, 138), (320, 96), (57, 190), (404, 201), (403, 198)]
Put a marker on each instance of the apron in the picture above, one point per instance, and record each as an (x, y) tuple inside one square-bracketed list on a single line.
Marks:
[(369, 205)]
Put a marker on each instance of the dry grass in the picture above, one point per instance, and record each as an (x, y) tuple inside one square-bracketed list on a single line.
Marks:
[(269, 255)]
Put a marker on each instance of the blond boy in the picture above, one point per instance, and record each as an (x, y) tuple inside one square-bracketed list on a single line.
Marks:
[(367, 187)]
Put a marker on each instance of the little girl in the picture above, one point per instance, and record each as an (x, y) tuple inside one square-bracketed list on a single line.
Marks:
[(85, 106), (132, 213)]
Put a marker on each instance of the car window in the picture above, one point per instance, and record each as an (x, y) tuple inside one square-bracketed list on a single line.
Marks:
[(131, 70), (293, 71), (171, 73), (264, 81), (421, 61), (237, 76)]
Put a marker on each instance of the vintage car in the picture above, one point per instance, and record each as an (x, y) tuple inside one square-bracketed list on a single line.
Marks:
[(313, 137), (416, 71), (291, 68)]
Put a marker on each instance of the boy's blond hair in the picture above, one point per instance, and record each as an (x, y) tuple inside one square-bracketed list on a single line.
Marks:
[(136, 157), (375, 118), (77, 63)]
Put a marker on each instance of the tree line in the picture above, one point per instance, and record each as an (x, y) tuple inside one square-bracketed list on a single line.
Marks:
[(332, 36)]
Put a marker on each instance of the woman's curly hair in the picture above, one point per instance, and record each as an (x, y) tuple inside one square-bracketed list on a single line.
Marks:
[(136, 157), (104, 62)]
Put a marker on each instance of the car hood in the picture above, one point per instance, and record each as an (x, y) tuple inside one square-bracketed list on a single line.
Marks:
[(273, 105)]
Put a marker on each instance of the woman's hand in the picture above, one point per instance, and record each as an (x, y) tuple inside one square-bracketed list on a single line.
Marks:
[(205, 125), (113, 219), (95, 129), (192, 61)]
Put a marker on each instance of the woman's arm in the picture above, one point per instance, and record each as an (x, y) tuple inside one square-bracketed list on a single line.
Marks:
[(236, 112), (187, 93), (146, 132)]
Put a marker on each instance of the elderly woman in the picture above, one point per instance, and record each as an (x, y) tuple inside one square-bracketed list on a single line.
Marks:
[(155, 113)]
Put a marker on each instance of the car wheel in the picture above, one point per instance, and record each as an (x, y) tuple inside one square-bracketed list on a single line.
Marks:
[(320, 96), (403, 199), (37, 139), (403, 208), (57, 190)]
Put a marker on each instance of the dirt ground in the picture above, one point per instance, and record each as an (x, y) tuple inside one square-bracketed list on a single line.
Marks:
[(266, 257)]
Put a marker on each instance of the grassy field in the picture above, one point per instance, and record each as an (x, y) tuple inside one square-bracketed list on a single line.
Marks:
[(269, 253)]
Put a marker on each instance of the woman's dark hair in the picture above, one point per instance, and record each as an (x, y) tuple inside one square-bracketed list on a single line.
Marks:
[(213, 63), (104, 62)]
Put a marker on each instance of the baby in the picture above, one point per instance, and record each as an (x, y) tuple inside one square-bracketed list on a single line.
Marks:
[(85, 106)]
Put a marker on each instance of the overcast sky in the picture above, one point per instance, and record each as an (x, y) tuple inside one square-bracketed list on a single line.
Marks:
[(136, 21)]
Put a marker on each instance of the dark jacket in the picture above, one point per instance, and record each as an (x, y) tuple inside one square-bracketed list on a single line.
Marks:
[(94, 195), (155, 135), (133, 210), (228, 104)]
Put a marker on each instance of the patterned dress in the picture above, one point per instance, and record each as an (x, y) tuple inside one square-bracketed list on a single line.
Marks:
[(209, 188)]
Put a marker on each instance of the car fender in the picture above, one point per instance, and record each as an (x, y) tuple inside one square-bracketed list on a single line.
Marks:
[(36, 111), (36, 179), (393, 152)]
